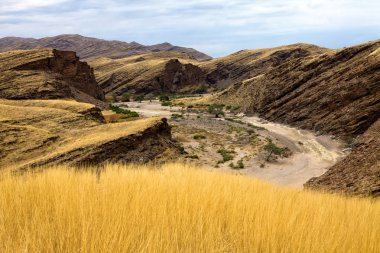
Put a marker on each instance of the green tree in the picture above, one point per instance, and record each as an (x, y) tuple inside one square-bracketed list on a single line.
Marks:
[(216, 109), (140, 98), (272, 149), (163, 98), (126, 97)]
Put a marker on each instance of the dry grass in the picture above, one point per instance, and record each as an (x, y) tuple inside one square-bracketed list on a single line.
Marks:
[(37, 130), (176, 209)]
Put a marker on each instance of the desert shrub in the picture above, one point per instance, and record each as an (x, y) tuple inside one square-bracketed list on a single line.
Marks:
[(163, 98), (226, 155), (216, 109), (166, 103), (193, 156), (239, 165), (140, 97), (176, 116), (126, 97), (273, 150), (202, 89), (128, 113), (199, 137)]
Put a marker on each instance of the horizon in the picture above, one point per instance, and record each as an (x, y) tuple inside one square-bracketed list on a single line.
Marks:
[(198, 24)]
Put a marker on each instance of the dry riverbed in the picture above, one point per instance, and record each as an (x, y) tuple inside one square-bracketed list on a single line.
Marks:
[(235, 143)]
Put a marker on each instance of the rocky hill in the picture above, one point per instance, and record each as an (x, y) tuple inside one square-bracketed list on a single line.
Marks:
[(328, 91), (165, 72), (358, 173), (48, 74), (48, 132), (87, 47)]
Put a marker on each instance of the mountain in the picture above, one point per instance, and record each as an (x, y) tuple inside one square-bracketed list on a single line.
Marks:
[(87, 47), (163, 72), (48, 74), (324, 90)]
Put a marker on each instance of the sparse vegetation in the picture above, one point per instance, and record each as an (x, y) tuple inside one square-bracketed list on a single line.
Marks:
[(164, 98), (226, 155), (140, 98), (199, 137), (176, 209), (128, 113), (126, 97), (176, 116), (273, 150), (216, 109), (167, 103)]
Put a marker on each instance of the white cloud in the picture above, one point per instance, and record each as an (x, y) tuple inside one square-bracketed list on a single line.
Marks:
[(211, 24), (21, 5)]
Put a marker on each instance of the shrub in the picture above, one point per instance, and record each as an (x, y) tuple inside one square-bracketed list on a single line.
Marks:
[(140, 97), (273, 149), (202, 89), (216, 109), (163, 98), (126, 97), (226, 155), (167, 103), (128, 113), (199, 137), (192, 156), (176, 116)]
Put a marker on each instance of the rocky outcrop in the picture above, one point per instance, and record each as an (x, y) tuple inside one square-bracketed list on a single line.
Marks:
[(87, 47), (49, 132), (359, 172), (327, 91), (48, 74), (153, 73)]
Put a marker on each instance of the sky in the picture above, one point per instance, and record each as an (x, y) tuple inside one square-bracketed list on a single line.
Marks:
[(215, 27)]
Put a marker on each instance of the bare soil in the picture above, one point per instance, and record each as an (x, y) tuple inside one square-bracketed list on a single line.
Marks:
[(243, 139)]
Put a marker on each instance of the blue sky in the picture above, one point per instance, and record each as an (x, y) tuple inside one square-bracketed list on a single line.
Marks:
[(216, 27)]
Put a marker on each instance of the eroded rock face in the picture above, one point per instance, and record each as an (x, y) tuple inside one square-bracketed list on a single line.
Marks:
[(50, 132), (329, 91), (48, 74), (150, 74), (359, 172), (178, 77)]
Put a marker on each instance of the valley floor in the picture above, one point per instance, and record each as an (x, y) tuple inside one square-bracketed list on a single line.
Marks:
[(204, 137)]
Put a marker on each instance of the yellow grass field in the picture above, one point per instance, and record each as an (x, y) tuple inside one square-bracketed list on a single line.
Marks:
[(176, 209)]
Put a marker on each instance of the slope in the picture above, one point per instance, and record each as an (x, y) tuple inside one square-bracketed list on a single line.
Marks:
[(88, 47)]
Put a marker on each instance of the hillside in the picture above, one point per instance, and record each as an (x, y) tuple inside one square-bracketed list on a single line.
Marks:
[(176, 208), (149, 73), (328, 91), (358, 173), (47, 74), (87, 47), (48, 132)]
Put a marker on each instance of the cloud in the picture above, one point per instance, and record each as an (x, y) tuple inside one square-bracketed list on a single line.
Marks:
[(215, 26)]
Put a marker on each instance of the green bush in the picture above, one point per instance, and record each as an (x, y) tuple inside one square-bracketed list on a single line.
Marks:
[(167, 103), (226, 155), (126, 97), (199, 137), (216, 109), (176, 116), (163, 98), (140, 97), (128, 113), (273, 149)]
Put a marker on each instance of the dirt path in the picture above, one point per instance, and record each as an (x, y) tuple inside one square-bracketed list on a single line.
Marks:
[(312, 155)]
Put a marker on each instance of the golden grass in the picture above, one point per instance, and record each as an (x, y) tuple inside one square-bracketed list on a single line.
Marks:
[(176, 209)]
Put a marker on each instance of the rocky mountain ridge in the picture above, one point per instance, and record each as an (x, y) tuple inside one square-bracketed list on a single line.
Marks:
[(87, 47)]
